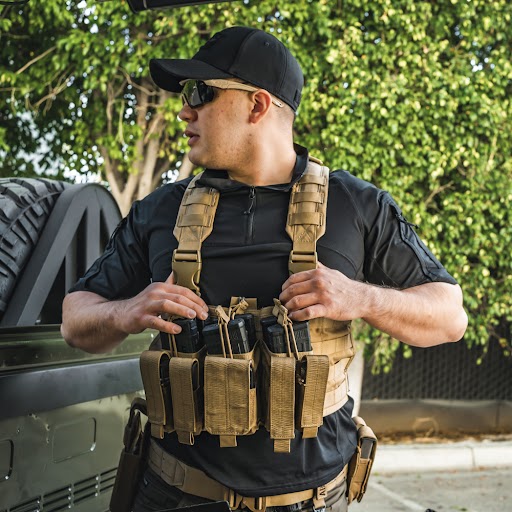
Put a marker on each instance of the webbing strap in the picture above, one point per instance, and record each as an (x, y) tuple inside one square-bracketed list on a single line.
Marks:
[(159, 408), (193, 225), (282, 402), (306, 216)]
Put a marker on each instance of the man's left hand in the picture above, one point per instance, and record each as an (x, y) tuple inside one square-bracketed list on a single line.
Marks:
[(323, 292)]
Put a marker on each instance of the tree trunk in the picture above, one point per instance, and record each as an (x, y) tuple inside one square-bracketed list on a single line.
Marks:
[(186, 168)]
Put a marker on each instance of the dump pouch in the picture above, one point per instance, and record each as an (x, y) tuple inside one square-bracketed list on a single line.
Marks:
[(133, 459), (230, 396), (360, 464), (186, 378), (154, 368)]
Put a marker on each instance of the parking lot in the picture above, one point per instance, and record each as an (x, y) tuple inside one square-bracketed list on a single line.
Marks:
[(465, 491)]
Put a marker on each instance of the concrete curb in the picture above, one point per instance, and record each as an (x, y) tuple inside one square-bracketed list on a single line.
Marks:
[(464, 455)]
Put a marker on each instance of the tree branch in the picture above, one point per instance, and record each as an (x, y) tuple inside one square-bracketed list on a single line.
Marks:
[(35, 59), (135, 85), (61, 85), (438, 190)]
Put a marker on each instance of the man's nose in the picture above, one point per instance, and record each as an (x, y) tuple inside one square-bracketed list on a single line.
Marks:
[(187, 113)]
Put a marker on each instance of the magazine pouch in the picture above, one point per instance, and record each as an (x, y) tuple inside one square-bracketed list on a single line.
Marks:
[(230, 390), (312, 372), (154, 368), (186, 379), (278, 397)]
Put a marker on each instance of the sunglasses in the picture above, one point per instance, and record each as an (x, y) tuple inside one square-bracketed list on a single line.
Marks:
[(196, 93)]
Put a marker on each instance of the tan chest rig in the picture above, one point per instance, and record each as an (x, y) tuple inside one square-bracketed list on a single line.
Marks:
[(230, 394)]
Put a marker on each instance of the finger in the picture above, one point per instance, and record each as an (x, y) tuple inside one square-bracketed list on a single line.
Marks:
[(301, 301), (295, 289), (313, 311), (155, 322), (181, 306), (298, 278), (185, 292)]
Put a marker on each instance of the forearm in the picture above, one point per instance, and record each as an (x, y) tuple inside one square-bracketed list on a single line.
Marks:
[(94, 324), (423, 316), (91, 322)]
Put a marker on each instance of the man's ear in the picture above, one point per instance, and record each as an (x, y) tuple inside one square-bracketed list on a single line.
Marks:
[(261, 104)]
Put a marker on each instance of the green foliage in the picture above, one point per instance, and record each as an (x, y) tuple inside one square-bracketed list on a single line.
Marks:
[(411, 95)]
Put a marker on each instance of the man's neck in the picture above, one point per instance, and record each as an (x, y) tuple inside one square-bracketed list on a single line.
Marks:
[(266, 168)]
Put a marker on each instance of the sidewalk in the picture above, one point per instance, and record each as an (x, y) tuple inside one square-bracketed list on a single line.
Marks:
[(458, 455)]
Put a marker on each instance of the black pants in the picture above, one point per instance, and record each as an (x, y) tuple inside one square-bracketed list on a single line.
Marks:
[(155, 495)]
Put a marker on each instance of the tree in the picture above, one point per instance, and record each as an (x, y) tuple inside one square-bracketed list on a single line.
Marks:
[(81, 77), (413, 96)]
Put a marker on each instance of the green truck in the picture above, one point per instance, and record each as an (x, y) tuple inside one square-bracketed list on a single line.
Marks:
[(62, 411)]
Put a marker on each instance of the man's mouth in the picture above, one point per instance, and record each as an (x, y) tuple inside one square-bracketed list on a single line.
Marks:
[(192, 137)]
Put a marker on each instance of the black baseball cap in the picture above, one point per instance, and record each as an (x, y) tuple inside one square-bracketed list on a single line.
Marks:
[(246, 53)]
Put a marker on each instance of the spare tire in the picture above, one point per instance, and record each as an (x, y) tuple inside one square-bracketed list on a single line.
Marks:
[(25, 205)]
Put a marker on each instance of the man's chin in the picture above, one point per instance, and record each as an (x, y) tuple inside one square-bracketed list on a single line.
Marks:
[(195, 158), (199, 159)]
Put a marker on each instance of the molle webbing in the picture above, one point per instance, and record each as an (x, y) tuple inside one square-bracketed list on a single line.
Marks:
[(193, 225), (306, 216)]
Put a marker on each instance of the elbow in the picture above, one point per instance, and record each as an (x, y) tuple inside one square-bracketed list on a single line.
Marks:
[(64, 334), (458, 326), (457, 319), (64, 331)]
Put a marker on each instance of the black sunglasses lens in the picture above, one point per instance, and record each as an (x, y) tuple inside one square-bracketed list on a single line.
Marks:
[(197, 93)]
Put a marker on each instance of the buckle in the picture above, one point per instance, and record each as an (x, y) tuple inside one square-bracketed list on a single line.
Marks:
[(302, 261), (187, 267)]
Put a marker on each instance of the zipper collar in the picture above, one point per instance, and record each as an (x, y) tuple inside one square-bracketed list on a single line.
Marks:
[(220, 180)]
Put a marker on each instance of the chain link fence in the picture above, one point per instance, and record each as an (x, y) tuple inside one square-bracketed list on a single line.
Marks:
[(447, 372)]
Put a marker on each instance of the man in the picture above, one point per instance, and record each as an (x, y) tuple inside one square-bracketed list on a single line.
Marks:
[(240, 95)]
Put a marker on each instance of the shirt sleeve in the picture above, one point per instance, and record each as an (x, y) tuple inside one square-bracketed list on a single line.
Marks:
[(394, 254), (122, 271)]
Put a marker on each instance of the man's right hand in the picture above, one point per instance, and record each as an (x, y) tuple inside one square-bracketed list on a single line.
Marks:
[(146, 309), (95, 324)]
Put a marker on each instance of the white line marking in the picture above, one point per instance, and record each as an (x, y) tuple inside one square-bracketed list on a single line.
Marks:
[(411, 505)]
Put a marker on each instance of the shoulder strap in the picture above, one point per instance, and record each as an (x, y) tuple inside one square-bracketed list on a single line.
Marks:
[(305, 224), (306, 216), (193, 225)]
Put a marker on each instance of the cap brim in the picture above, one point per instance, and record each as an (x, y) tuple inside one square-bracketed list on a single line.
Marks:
[(168, 73)]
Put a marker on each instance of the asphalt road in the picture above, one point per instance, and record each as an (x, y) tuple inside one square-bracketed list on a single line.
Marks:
[(462, 491)]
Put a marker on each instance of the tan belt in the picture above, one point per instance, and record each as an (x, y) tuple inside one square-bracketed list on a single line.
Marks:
[(193, 481)]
